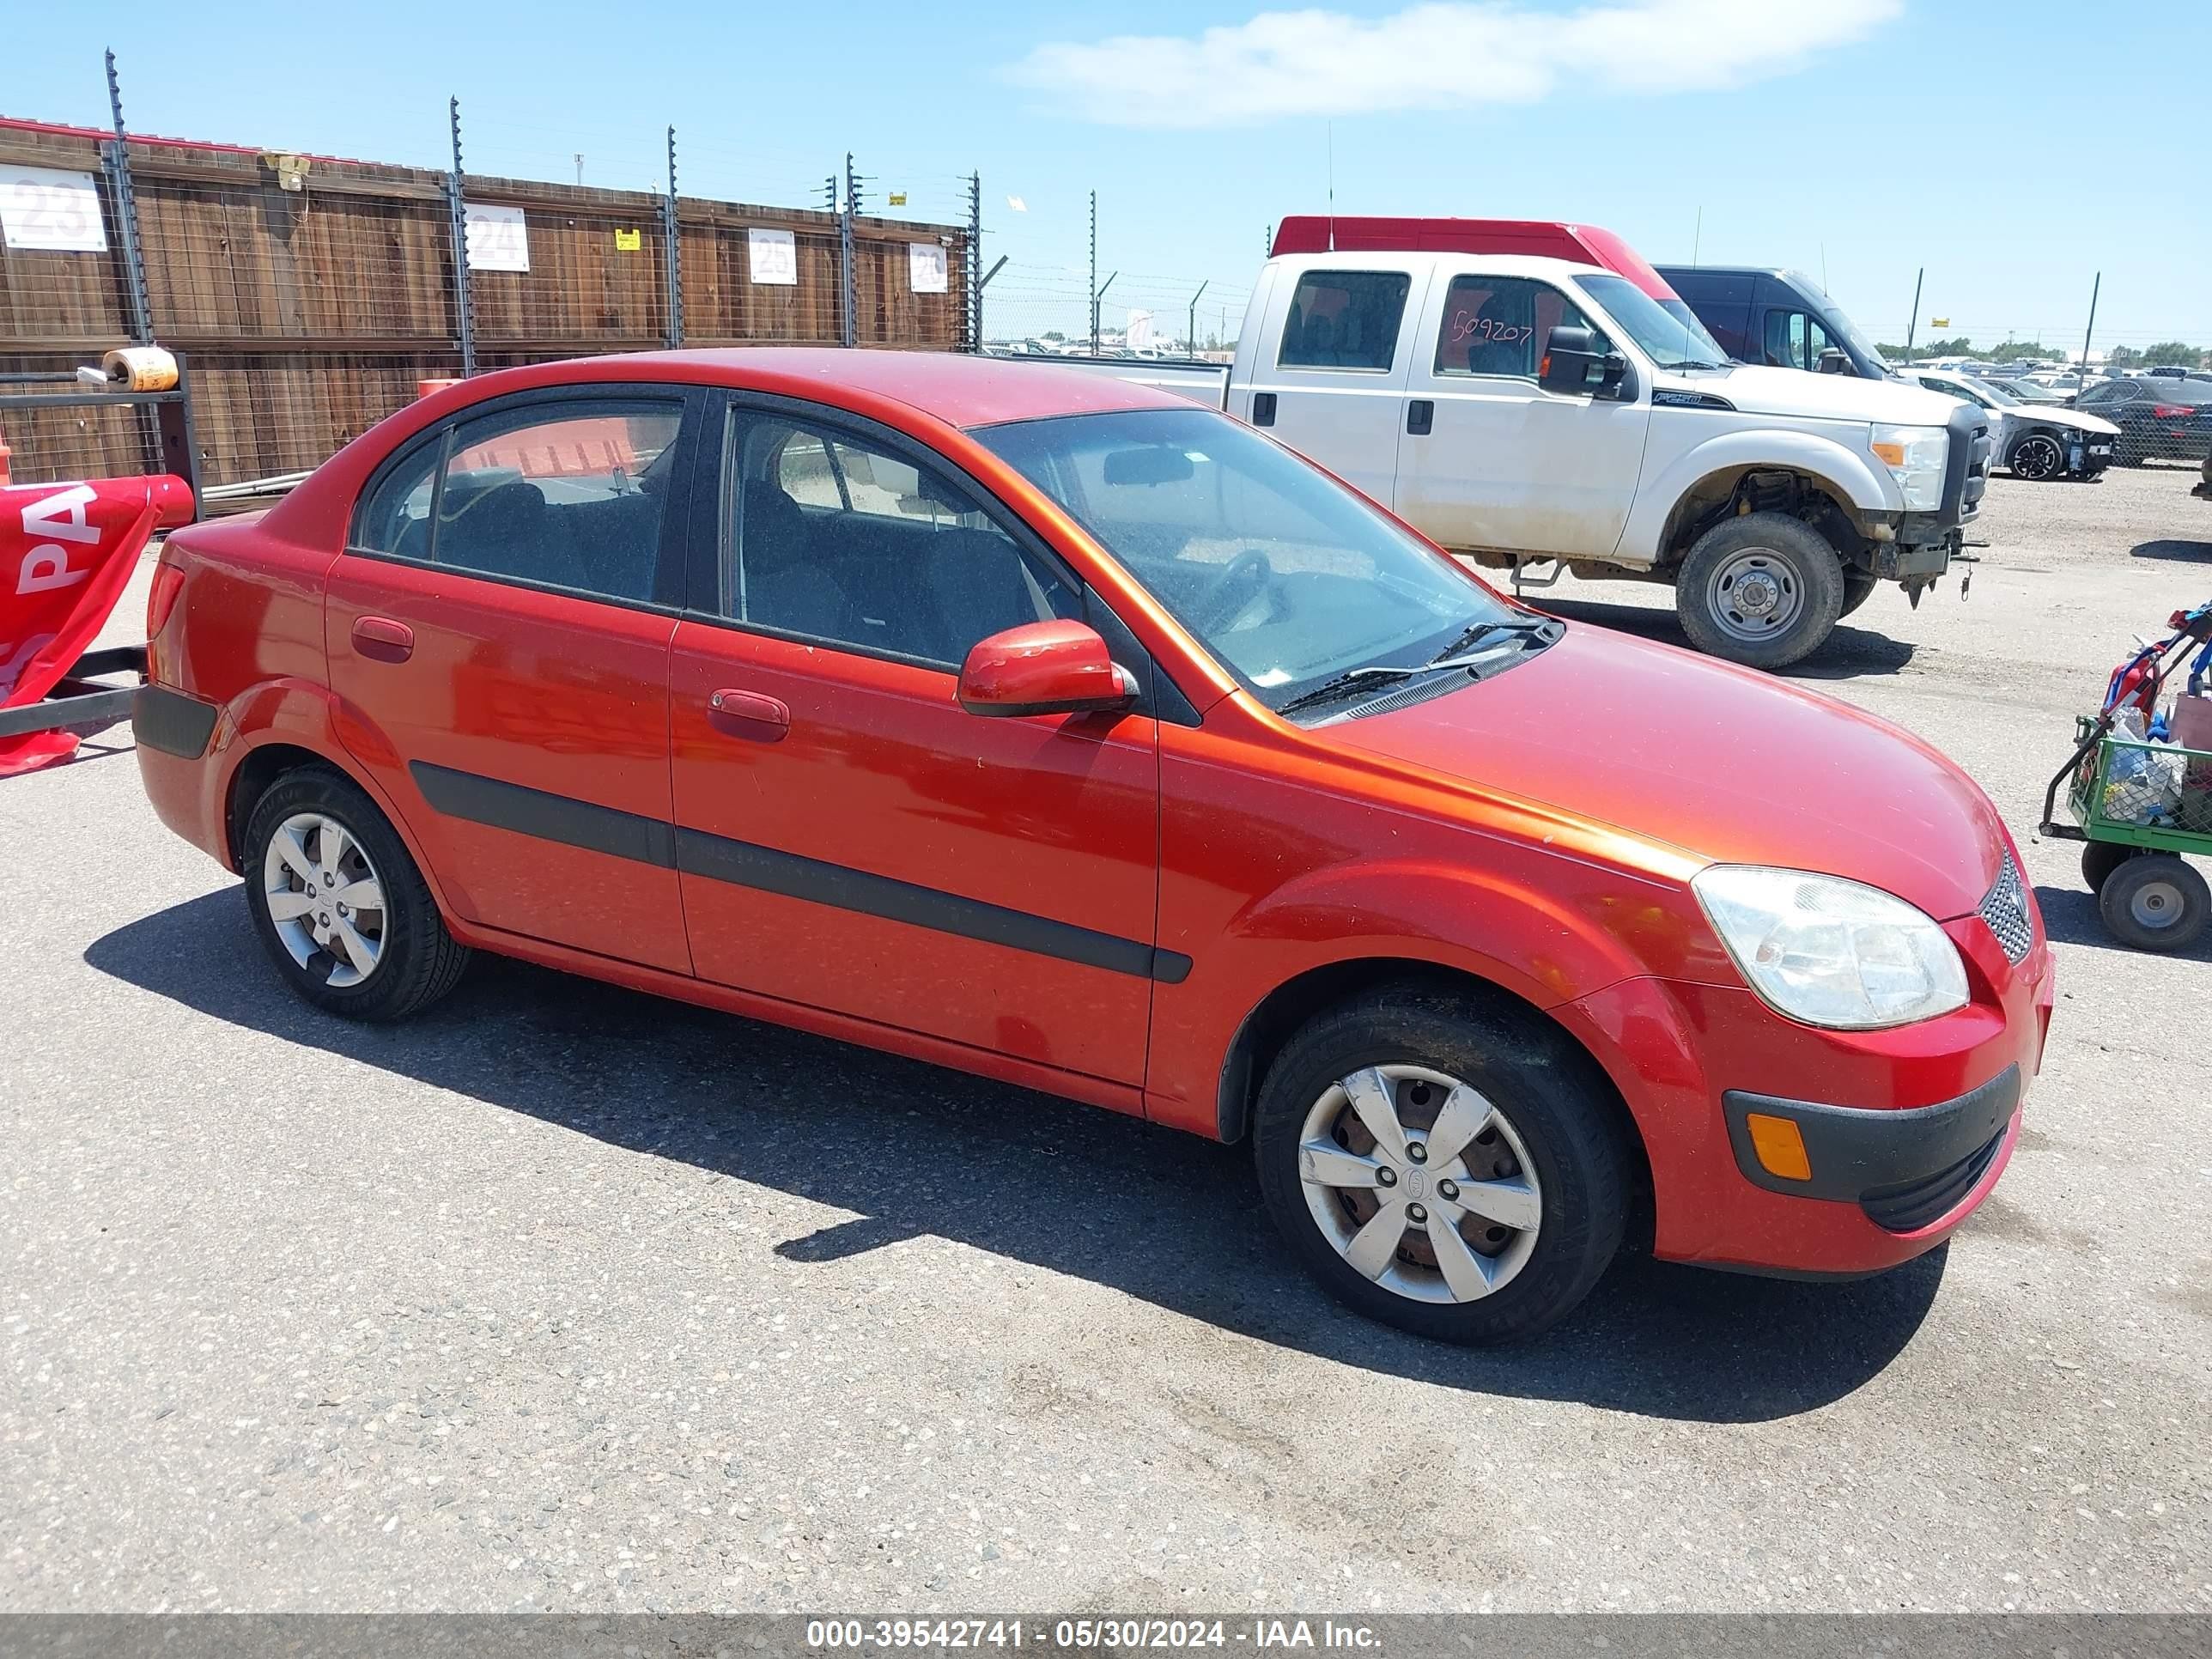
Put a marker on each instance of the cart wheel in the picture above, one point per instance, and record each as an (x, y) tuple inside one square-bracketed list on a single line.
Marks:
[(2155, 902), (2099, 858)]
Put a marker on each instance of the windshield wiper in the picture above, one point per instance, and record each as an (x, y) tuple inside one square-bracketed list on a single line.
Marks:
[(1352, 679), (1692, 362)]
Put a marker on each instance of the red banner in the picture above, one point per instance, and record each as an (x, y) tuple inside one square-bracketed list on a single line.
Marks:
[(67, 551)]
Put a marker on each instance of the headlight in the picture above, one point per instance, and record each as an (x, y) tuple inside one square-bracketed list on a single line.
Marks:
[(1915, 457), (1829, 951)]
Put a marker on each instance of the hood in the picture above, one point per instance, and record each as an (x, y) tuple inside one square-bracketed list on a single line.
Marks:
[(1758, 390), (1723, 764), (2059, 415)]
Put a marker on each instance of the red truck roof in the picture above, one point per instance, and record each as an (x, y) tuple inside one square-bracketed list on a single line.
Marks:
[(1547, 239)]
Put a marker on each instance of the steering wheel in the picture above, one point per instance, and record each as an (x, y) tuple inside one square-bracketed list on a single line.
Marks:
[(1243, 579)]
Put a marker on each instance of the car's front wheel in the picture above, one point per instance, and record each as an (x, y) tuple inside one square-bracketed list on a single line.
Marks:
[(339, 905), (1440, 1167), (2037, 456), (1763, 589)]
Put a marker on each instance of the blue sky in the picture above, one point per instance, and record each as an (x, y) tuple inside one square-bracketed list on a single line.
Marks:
[(1853, 136)]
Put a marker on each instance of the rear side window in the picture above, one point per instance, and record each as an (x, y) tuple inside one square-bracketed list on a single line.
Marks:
[(1345, 319), (1498, 324)]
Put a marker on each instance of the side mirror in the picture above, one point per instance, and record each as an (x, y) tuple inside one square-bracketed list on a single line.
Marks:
[(1835, 361), (1572, 363), (1043, 668)]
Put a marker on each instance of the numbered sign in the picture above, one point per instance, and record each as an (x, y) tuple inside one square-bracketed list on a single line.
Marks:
[(925, 267), (772, 257), (496, 237), (48, 211)]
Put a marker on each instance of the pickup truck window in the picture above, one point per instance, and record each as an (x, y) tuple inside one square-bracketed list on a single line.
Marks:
[(1345, 319), (1498, 324), (1287, 578)]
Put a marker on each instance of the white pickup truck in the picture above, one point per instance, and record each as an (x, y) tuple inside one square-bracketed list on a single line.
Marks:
[(1536, 412)]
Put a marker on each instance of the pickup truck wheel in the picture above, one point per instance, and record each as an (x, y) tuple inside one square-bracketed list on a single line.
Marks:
[(1441, 1169), (2155, 902), (339, 905), (2037, 456), (1764, 590), (1858, 588)]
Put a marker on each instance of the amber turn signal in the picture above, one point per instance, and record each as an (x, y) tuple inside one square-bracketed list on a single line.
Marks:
[(1781, 1149)]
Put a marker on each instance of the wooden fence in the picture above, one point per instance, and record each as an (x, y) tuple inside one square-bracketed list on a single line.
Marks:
[(307, 315)]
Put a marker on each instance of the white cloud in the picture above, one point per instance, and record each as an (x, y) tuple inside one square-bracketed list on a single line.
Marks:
[(1448, 55)]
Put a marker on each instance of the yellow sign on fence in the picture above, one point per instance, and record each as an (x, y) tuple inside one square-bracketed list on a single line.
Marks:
[(629, 241)]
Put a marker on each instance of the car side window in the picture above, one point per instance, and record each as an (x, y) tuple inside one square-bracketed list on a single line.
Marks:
[(569, 493), (394, 517), (1787, 339), (840, 539), (1498, 326), (1345, 319)]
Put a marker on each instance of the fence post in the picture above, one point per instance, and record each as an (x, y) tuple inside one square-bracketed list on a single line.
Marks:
[(975, 261), (1190, 336), (847, 321), (464, 307), (672, 256), (117, 158)]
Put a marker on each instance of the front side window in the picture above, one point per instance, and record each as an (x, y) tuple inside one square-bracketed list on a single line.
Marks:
[(1345, 319), (840, 539), (1500, 325), (565, 494), (1287, 579)]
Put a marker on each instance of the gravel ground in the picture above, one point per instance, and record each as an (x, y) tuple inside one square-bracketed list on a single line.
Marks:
[(561, 1297)]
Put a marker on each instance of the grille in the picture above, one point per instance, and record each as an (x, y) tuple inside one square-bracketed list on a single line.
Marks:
[(2005, 909), (1917, 1204)]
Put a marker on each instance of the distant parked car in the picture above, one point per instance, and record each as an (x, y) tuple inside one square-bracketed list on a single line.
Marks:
[(2173, 371), (2035, 442), (2026, 390), (2163, 419)]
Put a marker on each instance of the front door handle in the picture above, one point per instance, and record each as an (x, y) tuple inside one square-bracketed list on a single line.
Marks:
[(382, 640), (1421, 416), (750, 715)]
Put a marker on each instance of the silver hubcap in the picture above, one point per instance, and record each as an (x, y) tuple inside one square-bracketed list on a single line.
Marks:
[(2155, 905), (324, 899), (1420, 1183), (1754, 596)]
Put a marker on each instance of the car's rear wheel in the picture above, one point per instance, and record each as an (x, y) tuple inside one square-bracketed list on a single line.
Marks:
[(2155, 902), (1440, 1168), (1763, 589), (339, 905), (2037, 456)]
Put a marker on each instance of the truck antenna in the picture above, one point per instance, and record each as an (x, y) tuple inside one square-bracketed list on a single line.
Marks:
[(1331, 127)]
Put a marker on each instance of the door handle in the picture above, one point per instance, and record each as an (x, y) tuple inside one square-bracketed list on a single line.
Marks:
[(1421, 416), (1263, 409), (750, 715), (382, 640)]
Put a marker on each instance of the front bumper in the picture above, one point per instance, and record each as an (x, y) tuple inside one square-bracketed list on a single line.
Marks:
[(1914, 1125)]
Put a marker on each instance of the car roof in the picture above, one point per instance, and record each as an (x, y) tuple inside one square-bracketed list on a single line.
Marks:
[(954, 387)]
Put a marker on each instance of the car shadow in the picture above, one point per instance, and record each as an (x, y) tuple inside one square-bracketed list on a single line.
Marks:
[(1159, 1215), (2070, 916), (1848, 654), (2168, 547)]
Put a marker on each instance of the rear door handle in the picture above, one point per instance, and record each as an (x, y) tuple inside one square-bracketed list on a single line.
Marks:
[(382, 640), (1263, 409), (1421, 416), (750, 715)]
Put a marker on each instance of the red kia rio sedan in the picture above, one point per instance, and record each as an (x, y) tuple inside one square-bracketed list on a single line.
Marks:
[(1054, 729)]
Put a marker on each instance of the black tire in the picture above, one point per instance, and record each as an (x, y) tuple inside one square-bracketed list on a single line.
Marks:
[(2155, 902), (417, 962), (1550, 1092), (2036, 457), (1796, 558), (1858, 588), (2099, 858)]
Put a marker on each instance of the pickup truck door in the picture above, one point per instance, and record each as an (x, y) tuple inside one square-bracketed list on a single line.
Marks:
[(1486, 458), (1329, 373)]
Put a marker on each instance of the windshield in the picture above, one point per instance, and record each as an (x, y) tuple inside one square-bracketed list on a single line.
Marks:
[(1289, 579), (1995, 393), (1671, 337)]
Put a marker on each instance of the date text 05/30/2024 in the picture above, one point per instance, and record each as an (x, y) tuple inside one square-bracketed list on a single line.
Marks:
[(1076, 1634)]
